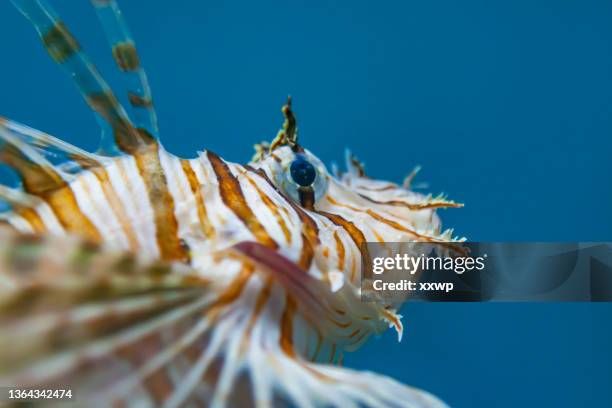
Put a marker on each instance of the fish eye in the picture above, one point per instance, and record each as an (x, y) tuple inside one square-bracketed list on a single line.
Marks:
[(302, 171), (303, 180)]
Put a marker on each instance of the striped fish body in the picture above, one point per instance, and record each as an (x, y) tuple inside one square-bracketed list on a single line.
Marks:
[(191, 281), (217, 207)]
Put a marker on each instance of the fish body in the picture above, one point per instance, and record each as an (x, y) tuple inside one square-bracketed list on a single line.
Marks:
[(141, 278)]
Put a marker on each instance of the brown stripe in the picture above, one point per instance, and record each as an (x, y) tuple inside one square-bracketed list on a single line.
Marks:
[(32, 217), (340, 250), (60, 43), (66, 208), (385, 188), (306, 255), (126, 57), (233, 197), (379, 238), (115, 203), (286, 340), (339, 311), (391, 223), (353, 267), (273, 208), (342, 325), (309, 227), (354, 333), (415, 207), (354, 232), (232, 292), (138, 101), (194, 184), (339, 204), (166, 225), (393, 319), (307, 197), (326, 252), (379, 217), (360, 338), (399, 227), (46, 183)]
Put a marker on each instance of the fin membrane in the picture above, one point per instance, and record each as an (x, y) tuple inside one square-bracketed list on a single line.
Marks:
[(118, 132)]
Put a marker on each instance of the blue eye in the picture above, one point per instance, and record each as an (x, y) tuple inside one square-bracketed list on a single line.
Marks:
[(302, 171), (304, 179)]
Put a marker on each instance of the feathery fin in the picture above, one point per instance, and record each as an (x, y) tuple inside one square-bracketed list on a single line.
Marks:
[(124, 330)]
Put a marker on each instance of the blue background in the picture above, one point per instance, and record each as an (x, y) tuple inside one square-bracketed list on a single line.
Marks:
[(507, 105)]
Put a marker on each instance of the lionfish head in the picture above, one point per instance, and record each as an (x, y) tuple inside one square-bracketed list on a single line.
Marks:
[(309, 227)]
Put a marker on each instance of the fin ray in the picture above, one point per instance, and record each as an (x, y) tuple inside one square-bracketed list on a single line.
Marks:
[(65, 156), (127, 60), (118, 133), (89, 305)]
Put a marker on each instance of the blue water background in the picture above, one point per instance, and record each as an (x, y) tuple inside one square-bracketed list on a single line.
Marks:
[(506, 105)]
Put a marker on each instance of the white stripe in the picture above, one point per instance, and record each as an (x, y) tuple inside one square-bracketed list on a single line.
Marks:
[(18, 222), (291, 217), (49, 218), (265, 216), (221, 217), (135, 200), (185, 208), (93, 204)]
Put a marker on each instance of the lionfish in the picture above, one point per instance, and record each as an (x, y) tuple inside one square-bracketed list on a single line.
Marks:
[(138, 278)]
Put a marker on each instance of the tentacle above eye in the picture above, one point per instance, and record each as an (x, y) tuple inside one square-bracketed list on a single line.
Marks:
[(288, 134)]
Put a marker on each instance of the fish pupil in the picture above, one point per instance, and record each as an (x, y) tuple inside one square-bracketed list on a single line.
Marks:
[(303, 172)]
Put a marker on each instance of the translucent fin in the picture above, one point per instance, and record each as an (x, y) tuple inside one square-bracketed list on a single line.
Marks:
[(69, 158), (118, 133), (128, 61), (37, 173)]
